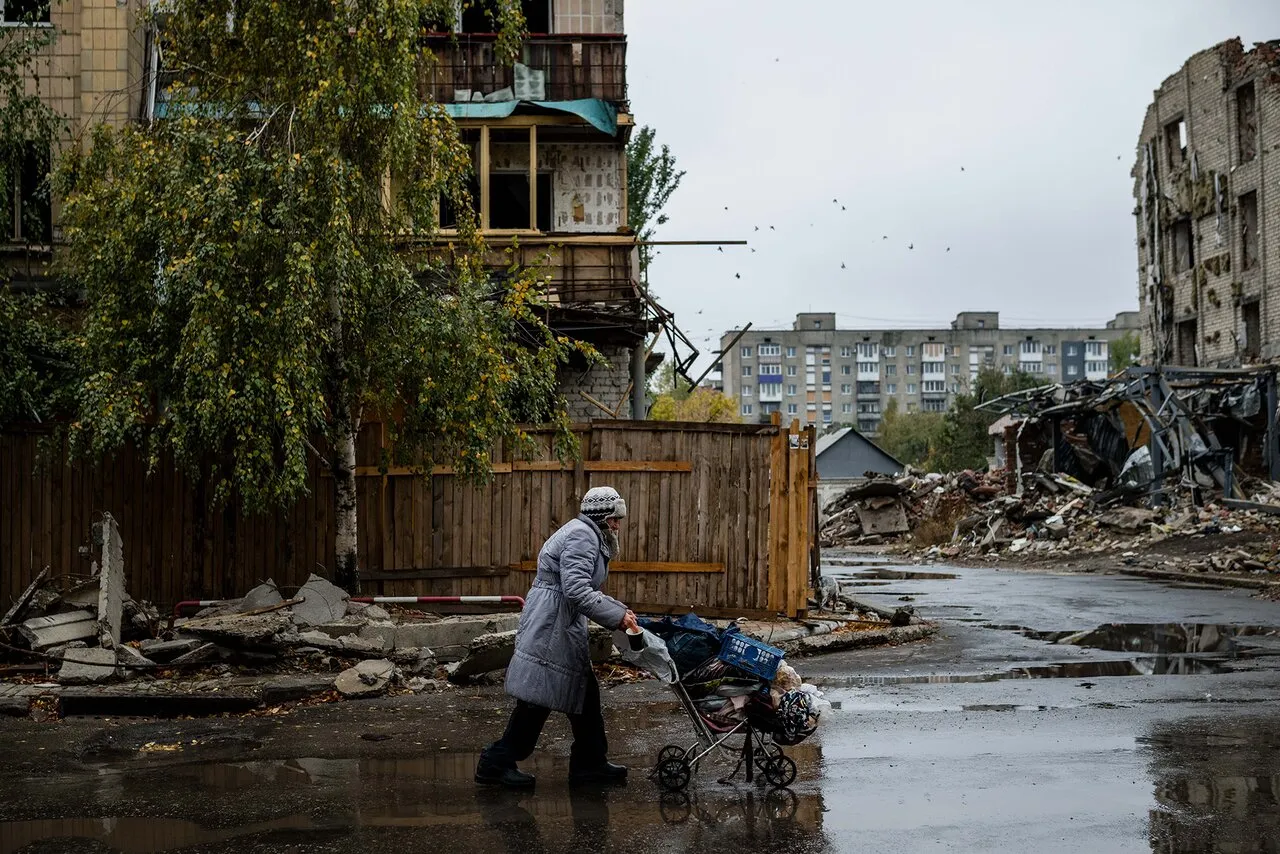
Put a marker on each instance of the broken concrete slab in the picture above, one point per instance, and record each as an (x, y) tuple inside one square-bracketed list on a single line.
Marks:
[(110, 583), (450, 639), (83, 596), (24, 600), (132, 663), (42, 633), (322, 602), (319, 640), (126, 654), (374, 612), (347, 626), (240, 630), (486, 653), (366, 679), (1131, 519), (167, 650), (263, 596), (383, 633), (357, 644), (87, 666), (204, 652), (414, 660), (883, 520)]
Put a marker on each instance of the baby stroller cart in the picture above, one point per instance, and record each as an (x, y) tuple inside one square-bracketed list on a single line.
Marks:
[(730, 701)]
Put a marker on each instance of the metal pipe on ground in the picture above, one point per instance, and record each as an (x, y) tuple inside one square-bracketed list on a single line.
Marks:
[(377, 600)]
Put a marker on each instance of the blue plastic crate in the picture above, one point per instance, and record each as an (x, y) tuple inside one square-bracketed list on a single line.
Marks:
[(751, 655)]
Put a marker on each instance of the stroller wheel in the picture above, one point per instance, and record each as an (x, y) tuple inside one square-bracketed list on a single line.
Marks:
[(765, 754), (674, 774), (671, 751), (780, 771)]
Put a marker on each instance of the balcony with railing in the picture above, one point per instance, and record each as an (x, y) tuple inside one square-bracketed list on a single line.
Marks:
[(594, 272), (564, 68)]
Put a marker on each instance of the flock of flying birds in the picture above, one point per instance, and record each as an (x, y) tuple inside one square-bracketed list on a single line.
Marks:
[(843, 266)]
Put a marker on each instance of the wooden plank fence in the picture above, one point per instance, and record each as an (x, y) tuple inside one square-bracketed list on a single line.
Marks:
[(721, 520)]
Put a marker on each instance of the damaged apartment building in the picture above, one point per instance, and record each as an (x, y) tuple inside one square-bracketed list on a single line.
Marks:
[(1207, 185), (548, 136)]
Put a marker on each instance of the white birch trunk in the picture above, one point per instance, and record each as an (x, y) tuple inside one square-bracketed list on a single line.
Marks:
[(347, 571)]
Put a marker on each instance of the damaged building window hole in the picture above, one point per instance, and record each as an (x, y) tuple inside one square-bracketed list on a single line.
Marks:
[(1175, 137)]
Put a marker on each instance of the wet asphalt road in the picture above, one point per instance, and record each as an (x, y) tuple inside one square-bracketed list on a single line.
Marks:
[(1052, 713)]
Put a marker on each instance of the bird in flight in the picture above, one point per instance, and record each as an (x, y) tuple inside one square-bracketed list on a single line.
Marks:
[(737, 275), (719, 248), (911, 246), (841, 265)]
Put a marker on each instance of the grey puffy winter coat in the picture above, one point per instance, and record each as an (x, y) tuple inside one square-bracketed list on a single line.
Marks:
[(552, 660)]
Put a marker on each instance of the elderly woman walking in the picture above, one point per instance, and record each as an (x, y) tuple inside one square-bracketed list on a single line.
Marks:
[(551, 667)]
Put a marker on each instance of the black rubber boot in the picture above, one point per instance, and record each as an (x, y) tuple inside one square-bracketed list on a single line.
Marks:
[(511, 778), (610, 773)]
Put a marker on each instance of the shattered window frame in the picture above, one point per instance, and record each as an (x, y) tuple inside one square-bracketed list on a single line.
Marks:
[(1249, 255), (1247, 122)]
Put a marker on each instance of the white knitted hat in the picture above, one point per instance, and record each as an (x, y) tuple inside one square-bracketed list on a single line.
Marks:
[(603, 502)]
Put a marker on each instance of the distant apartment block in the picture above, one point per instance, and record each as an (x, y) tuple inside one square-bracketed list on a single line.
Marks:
[(1208, 210), (822, 375)]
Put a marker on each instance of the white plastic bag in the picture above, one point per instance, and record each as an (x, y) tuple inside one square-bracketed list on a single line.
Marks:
[(653, 657)]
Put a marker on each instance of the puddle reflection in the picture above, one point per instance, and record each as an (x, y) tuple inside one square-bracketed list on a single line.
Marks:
[(1164, 638), (384, 803), (1216, 786)]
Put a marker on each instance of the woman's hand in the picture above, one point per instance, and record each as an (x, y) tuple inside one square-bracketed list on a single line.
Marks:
[(629, 622)]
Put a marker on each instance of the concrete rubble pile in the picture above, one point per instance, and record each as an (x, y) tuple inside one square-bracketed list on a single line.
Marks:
[(1097, 468), (92, 633), (80, 625)]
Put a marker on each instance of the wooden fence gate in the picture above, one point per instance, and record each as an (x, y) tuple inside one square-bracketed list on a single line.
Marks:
[(721, 520)]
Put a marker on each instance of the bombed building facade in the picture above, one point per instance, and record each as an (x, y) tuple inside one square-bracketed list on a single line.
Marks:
[(1207, 186), (547, 133)]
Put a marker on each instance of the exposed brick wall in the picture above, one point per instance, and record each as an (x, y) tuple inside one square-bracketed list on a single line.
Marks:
[(608, 383), (1212, 294)]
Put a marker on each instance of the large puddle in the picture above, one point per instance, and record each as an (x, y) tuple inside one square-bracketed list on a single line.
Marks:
[(1155, 649), (1168, 638), (155, 802)]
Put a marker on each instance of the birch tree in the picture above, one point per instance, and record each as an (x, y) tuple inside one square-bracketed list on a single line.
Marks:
[(255, 292)]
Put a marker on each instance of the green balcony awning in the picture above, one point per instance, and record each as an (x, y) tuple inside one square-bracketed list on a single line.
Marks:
[(601, 115)]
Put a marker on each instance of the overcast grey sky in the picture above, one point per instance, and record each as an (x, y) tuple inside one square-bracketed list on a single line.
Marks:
[(992, 127)]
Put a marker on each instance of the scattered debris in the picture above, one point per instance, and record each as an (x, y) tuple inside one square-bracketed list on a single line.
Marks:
[(110, 581), (22, 602), (87, 666), (43, 633), (199, 655), (163, 651), (321, 602), (265, 595), (366, 679)]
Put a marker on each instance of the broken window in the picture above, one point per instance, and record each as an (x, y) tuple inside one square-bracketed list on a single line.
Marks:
[(1249, 229), (1183, 246), (509, 200), (1186, 354), (26, 11), (30, 214), (1247, 122), (1175, 138), (476, 16), (1251, 314)]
